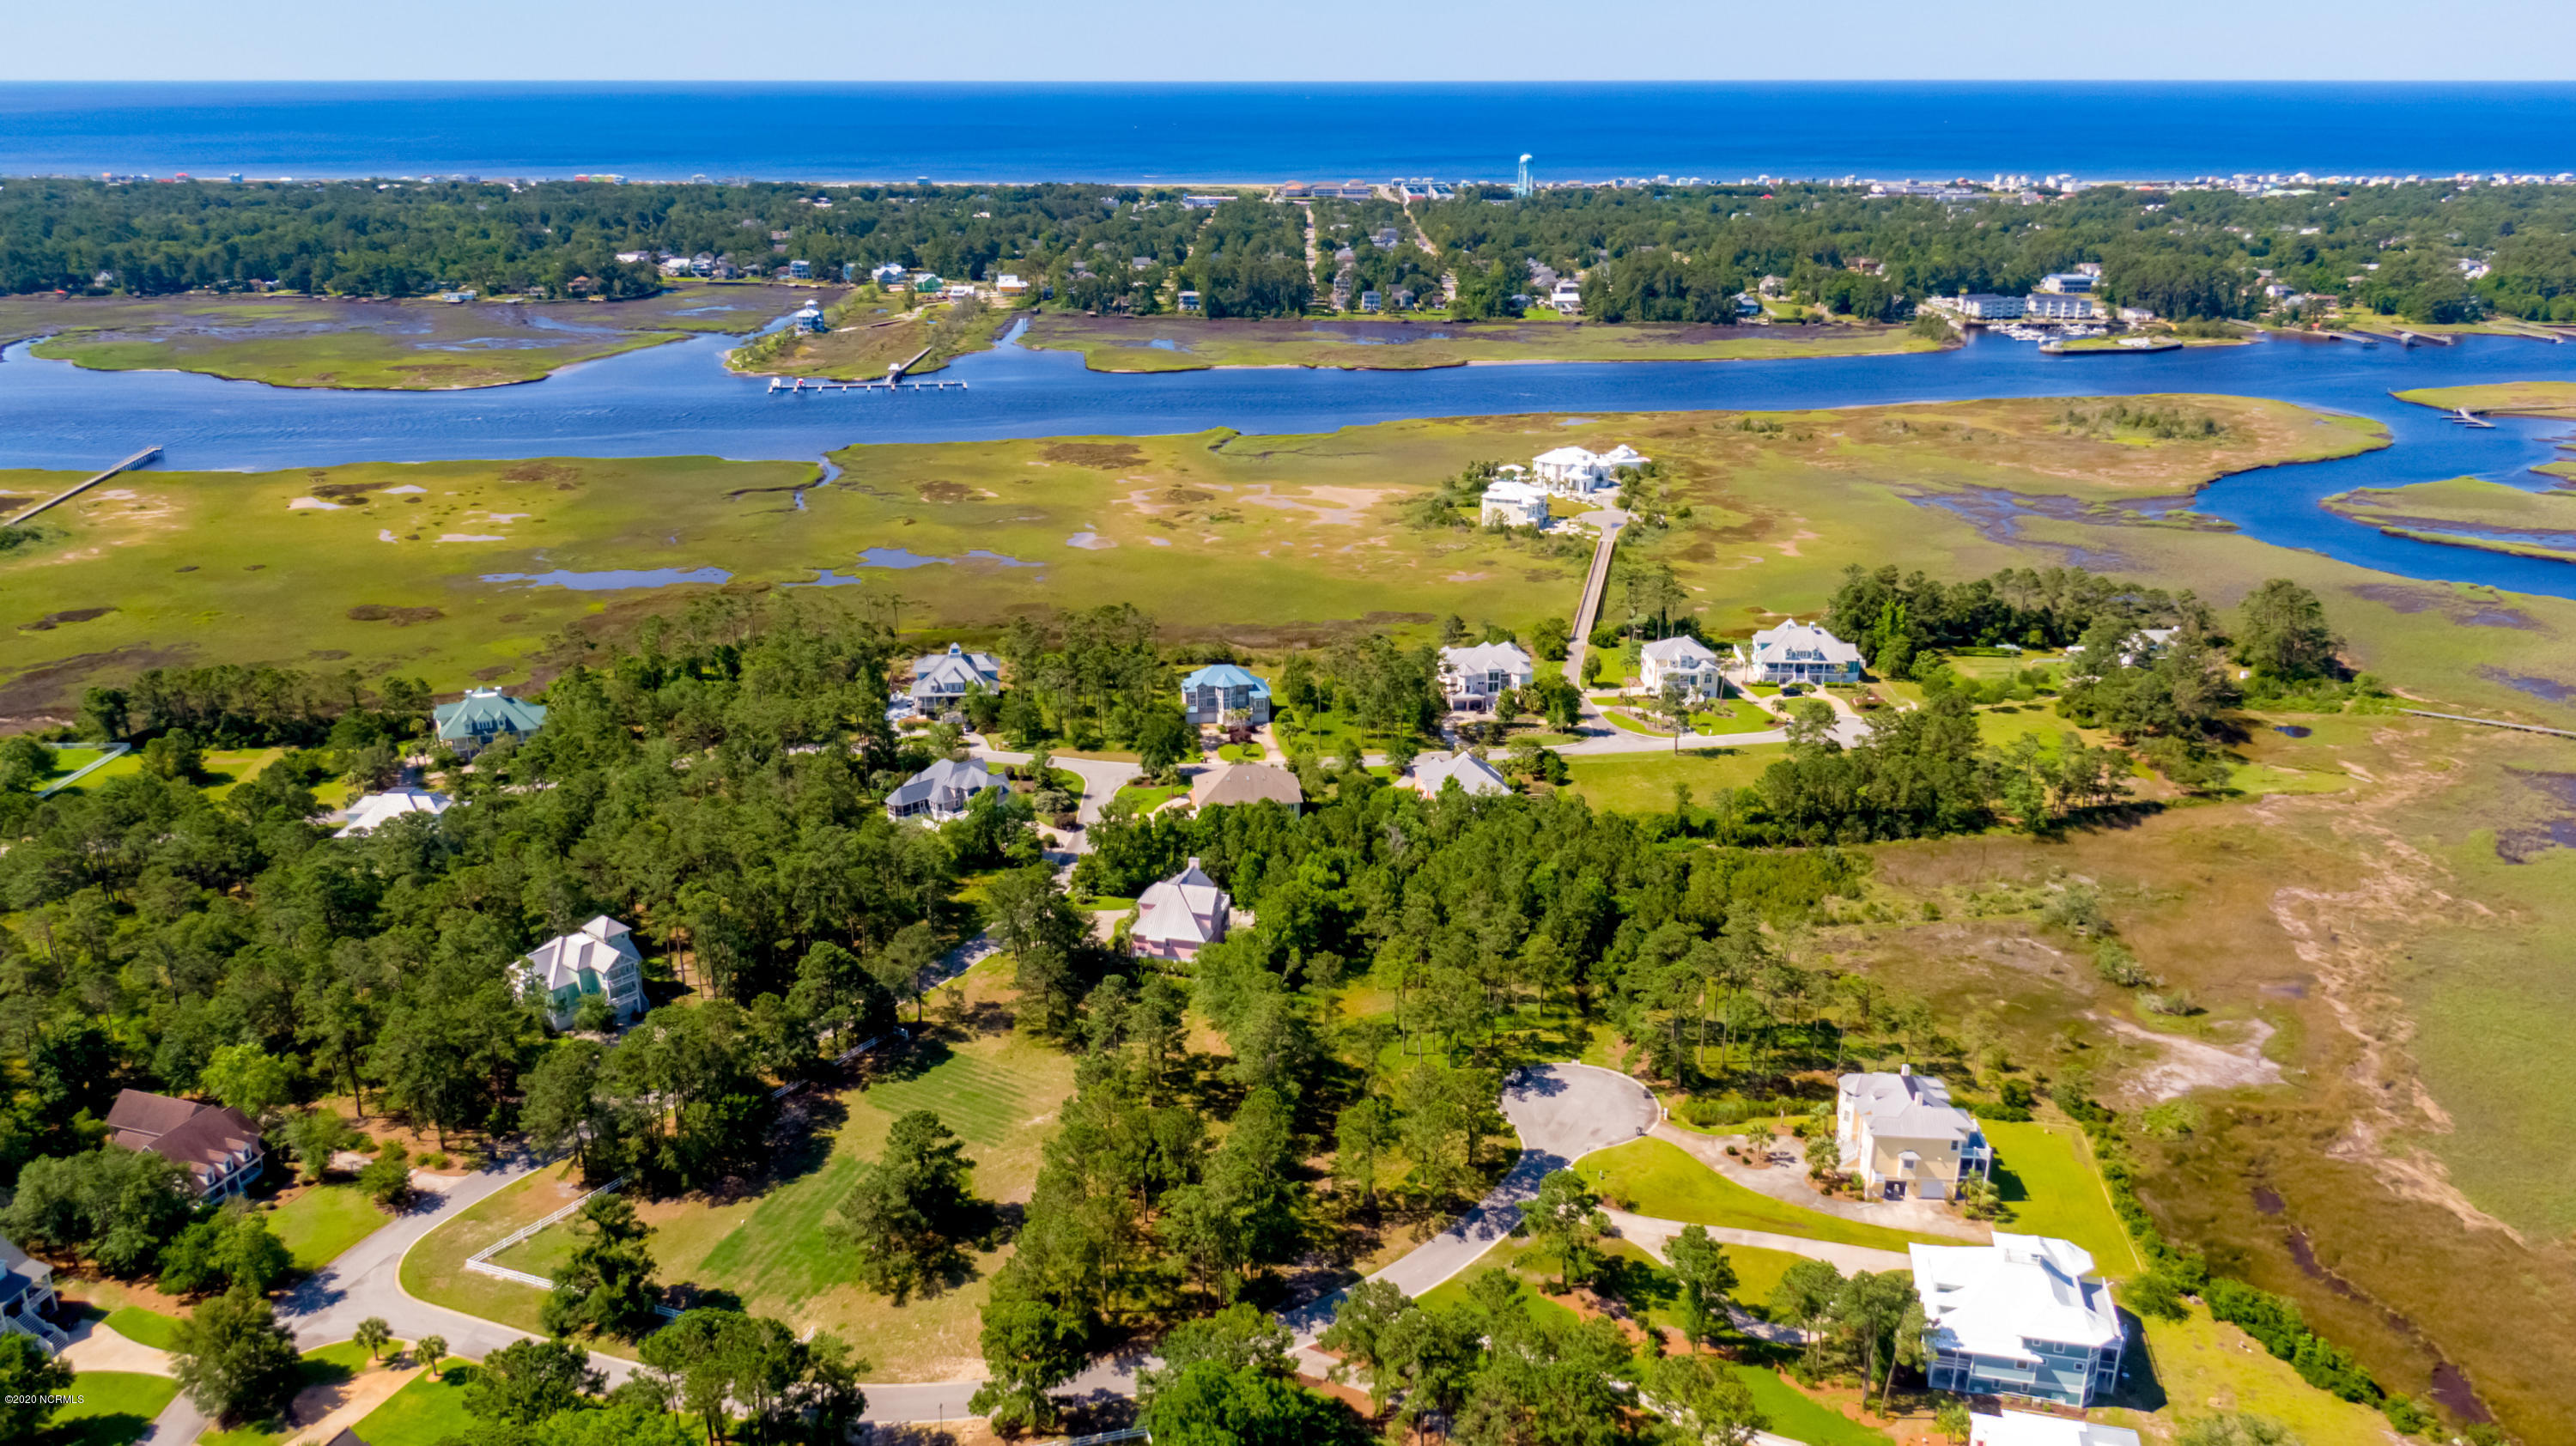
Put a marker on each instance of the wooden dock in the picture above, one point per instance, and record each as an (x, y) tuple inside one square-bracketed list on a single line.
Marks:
[(148, 454), (802, 386), (2466, 418)]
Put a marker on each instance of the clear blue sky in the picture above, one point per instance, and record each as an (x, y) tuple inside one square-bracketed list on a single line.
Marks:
[(1216, 40)]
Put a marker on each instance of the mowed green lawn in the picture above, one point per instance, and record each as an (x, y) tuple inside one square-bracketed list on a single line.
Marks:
[(321, 1222), (1662, 1181), (1643, 782), (2046, 1175), (113, 1408), (430, 1408), (144, 1327)]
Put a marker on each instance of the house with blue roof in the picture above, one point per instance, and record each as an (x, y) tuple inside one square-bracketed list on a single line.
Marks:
[(482, 717), (1222, 693)]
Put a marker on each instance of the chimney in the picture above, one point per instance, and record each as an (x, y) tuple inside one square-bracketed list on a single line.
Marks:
[(1904, 1071)]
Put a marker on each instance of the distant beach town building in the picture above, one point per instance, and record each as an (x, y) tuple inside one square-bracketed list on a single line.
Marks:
[(597, 958), (2071, 281), (1179, 916), (1567, 296), (1010, 284), (1685, 661), (483, 717), (1222, 693), (1796, 652), (2051, 306), (378, 809), (1984, 306), (940, 679), (1513, 503), (1473, 677), (2017, 1318), (890, 274), (944, 790), (1347, 191), (1475, 775), (1577, 472)]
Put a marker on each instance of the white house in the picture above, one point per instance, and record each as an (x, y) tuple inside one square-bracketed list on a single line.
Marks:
[(940, 679), (889, 274), (1010, 284), (378, 809), (2029, 1428), (2070, 282), (1577, 472), (1475, 775), (1567, 297), (2019, 1317), (1514, 503), (1901, 1135), (1981, 306), (1472, 677), (597, 958), (1684, 660), (1180, 915), (26, 1293), (1796, 652), (941, 792)]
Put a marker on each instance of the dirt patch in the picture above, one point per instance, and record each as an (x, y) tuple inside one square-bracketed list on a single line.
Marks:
[(1184, 496), (2192, 1064), (947, 492), (55, 685), (399, 617), (338, 491), (2401, 598), (51, 621), (555, 473), (1108, 456), (497, 670)]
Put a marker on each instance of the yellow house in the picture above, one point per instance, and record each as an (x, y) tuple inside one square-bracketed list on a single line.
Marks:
[(1901, 1135)]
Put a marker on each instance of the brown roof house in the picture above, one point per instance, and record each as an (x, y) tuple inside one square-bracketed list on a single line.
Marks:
[(217, 1145), (1247, 783)]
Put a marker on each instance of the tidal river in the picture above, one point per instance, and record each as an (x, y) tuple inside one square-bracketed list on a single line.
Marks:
[(679, 400)]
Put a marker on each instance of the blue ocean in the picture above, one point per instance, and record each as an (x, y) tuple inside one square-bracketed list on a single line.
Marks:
[(1178, 132)]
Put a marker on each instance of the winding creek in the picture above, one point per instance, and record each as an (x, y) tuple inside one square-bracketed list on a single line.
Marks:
[(679, 400)]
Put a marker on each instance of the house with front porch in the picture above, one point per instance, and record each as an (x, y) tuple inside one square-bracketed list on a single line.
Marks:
[(483, 717), (2022, 1317), (219, 1146), (944, 790), (940, 680), (26, 1293), (1222, 693), (1682, 660), (1471, 678), (1796, 652)]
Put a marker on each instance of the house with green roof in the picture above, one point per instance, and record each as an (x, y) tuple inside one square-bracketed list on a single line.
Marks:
[(483, 716)]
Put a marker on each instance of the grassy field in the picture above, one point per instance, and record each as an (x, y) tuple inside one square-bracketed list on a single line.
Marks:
[(398, 345), (1733, 715), (2047, 1178), (2203, 1366), (995, 1088), (321, 1221), (1659, 1180), (427, 1410), (869, 336), (144, 1327), (2538, 399), (113, 1408), (1181, 343), (2549, 518), (1643, 782)]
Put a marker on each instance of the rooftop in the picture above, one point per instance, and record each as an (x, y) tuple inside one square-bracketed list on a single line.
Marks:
[(1992, 1299), (1247, 783)]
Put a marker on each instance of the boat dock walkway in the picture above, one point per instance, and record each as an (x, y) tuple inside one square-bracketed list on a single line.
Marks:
[(148, 454), (892, 383), (2467, 418)]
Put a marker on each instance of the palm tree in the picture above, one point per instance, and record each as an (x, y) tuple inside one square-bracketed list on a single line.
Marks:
[(373, 1335), (429, 1351)]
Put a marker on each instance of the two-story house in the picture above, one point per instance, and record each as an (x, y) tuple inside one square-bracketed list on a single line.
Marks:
[(1901, 1135), (1684, 661), (1179, 916), (483, 717), (941, 679), (1796, 652), (944, 790), (1222, 693), (26, 1293), (2020, 1317), (219, 1147), (1471, 678), (598, 958)]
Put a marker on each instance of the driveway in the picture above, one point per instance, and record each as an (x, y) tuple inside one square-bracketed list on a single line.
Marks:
[(1786, 1180), (1101, 780)]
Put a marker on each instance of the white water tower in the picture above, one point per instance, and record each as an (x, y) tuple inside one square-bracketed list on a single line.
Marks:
[(1524, 186)]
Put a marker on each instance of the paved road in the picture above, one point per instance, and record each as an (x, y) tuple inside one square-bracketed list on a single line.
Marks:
[(1101, 780)]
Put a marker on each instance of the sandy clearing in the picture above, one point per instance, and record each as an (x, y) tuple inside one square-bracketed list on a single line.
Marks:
[(312, 504), (469, 537), (2191, 1064)]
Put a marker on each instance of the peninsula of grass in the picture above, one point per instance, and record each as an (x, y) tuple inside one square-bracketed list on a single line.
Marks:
[(1181, 343), (406, 345), (2531, 399), (2462, 501)]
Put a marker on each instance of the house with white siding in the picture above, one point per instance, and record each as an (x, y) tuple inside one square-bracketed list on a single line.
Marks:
[(1796, 652), (1473, 677), (944, 790), (1683, 660), (2021, 1317), (598, 958)]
